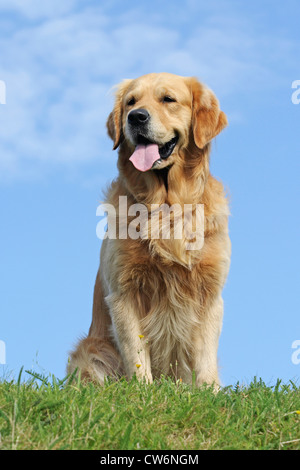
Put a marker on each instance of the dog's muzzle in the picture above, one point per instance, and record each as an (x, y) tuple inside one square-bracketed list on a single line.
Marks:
[(147, 152)]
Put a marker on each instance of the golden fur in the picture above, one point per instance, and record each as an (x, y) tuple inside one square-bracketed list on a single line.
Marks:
[(157, 306)]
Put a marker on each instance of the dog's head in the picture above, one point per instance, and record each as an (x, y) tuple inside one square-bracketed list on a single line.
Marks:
[(156, 115)]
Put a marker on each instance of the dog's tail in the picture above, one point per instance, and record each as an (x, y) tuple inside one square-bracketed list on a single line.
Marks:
[(95, 359)]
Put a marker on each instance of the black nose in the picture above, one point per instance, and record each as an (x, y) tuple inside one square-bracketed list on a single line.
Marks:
[(138, 116)]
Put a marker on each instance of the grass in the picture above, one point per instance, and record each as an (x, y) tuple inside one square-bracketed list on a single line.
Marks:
[(48, 413)]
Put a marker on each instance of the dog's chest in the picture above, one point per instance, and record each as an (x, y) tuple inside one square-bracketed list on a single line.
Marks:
[(171, 303)]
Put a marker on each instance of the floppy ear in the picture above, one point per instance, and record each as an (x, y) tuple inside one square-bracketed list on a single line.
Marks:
[(207, 118), (114, 120)]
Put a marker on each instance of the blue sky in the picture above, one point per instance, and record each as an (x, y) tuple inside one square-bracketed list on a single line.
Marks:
[(59, 61)]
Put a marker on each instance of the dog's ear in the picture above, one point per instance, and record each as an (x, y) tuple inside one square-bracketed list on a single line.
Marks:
[(207, 118), (114, 120)]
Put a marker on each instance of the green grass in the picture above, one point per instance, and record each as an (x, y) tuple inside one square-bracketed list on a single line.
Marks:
[(47, 413)]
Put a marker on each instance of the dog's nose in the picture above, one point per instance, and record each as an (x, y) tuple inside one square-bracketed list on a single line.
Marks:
[(138, 116)]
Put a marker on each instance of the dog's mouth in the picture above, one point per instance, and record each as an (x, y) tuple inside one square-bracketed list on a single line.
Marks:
[(166, 150), (148, 154)]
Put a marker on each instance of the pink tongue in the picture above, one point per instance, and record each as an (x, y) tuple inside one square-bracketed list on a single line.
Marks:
[(144, 156)]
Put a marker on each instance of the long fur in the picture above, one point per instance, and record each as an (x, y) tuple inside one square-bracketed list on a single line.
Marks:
[(158, 306)]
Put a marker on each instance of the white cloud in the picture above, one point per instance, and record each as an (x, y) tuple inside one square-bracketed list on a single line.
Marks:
[(34, 9), (58, 71)]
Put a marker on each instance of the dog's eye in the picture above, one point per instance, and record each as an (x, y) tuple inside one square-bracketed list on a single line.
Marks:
[(131, 102), (168, 99)]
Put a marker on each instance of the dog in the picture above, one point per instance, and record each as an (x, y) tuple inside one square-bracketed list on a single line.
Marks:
[(157, 307)]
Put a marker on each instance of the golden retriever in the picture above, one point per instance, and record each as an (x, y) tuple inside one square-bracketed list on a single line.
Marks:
[(157, 304)]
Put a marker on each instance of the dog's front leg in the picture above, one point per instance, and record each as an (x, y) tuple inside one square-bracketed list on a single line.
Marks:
[(129, 338), (206, 339)]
